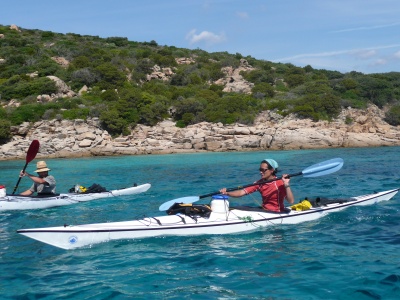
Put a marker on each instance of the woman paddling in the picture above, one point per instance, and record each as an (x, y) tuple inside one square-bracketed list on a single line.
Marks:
[(273, 193)]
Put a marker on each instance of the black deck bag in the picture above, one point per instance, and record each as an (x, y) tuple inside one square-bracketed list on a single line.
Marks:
[(320, 201), (190, 209), (95, 188)]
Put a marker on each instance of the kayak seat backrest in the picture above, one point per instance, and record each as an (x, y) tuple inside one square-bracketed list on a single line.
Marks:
[(190, 209)]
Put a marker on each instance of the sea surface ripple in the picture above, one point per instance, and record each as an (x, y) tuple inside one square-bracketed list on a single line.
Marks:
[(351, 254)]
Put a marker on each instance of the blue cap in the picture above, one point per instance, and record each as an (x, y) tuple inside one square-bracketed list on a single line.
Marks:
[(272, 163)]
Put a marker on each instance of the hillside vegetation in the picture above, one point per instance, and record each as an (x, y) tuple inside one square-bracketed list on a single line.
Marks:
[(122, 94)]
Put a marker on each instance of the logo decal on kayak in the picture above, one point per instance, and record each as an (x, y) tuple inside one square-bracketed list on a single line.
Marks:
[(73, 239)]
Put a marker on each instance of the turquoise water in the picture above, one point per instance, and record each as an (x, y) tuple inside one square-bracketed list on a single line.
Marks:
[(352, 254)]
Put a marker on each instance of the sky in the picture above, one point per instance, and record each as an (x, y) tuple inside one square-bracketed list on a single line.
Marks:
[(340, 35)]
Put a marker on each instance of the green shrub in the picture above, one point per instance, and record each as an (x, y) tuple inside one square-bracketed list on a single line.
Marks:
[(47, 67), (281, 86), (85, 76), (153, 113), (304, 111), (348, 120), (20, 87), (69, 103), (118, 41), (214, 72), (49, 114), (27, 113), (349, 84), (180, 124), (295, 76), (3, 113), (258, 76), (190, 105), (264, 88), (351, 94), (75, 113), (323, 106), (112, 122), (188, 118), (318, 87), (393, 115), (247, 119), (164, 60), (279, 105), (229, 109), (355, 103), (80, 62), (180, 79), (330, 104), (109, 96), (46, 35), (110, 76), (5, 131)]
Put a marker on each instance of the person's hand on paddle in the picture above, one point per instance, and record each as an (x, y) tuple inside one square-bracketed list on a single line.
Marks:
[(286, 180), (237, 193)]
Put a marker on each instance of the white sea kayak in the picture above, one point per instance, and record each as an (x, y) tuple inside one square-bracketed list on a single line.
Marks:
[(222, 220), (17, 202)]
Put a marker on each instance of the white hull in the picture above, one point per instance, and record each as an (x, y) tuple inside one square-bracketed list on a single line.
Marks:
[(232, 221), (15, 202)]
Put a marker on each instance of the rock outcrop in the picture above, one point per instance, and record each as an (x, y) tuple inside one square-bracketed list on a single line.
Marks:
[(63, 91), (163, 74), (270, 132), (62, 61), (233, 81)]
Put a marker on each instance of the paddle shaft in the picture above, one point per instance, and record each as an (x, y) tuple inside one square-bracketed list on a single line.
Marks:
[(251, 184), (19, 179)]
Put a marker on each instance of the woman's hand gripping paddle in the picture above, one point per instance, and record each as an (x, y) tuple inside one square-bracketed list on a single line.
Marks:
[(320, 169), (30, 155)]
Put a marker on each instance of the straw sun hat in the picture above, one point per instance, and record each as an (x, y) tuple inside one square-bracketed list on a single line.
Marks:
[(41, 167)]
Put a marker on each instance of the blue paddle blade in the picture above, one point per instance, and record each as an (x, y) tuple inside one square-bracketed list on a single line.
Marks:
[(186, 200), (323, 168)]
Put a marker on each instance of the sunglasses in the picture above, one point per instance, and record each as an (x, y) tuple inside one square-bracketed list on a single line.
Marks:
[(263, 170)]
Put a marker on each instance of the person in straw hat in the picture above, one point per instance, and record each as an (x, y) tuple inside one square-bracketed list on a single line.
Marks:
[(42, 184)]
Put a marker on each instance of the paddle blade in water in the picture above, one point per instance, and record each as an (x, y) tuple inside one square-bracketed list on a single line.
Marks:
[(323, 168)]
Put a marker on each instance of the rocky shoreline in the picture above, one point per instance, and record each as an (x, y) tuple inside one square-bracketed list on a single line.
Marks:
[(82, 138)]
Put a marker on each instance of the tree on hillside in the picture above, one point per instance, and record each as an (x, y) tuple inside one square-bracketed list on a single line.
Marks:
[(110, 76)]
